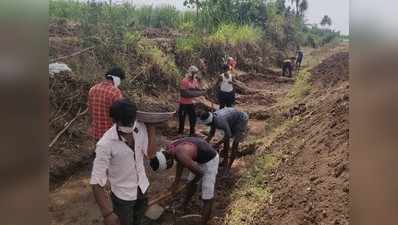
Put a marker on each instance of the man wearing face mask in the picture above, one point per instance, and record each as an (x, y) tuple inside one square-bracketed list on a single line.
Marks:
[(100, 98), (119, 158)]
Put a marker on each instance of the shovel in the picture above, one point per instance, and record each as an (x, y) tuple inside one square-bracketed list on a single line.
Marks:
[(154, 210)]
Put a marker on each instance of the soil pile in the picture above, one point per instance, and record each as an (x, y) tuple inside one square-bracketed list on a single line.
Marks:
[(332, 70), (67, 99), (311, 183)]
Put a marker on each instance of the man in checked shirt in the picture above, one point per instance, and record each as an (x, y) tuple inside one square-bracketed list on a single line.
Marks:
[(100, 98)]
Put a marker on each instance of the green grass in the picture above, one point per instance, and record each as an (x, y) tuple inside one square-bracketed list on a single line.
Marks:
[(301, 88), (252, 192), (188, 44), (234, 34)]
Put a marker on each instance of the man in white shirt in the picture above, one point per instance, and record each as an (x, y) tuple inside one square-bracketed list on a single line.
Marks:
[(119, 158)]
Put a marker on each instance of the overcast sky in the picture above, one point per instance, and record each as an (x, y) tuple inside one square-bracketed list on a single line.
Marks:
[(338, 10)]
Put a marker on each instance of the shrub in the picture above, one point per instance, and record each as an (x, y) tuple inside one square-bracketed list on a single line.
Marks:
[(234, 34), (188, 44)]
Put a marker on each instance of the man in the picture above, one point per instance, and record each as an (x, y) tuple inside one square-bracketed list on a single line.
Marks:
[(287, 66), (100, 98), (189, 90), (201, 160), (231, 62), (120, 159), (225, 88), (234, 125), (300, 56)]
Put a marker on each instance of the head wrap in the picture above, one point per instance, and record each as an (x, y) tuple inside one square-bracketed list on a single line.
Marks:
[(116, 80), (193, 69), (208, 120)]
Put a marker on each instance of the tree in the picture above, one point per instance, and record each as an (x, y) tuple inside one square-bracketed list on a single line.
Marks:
[(326, 20), (300, 5)]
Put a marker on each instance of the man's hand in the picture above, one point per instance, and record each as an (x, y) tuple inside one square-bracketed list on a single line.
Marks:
[(112, 219)]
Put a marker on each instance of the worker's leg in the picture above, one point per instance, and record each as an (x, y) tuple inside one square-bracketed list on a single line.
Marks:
[(190, 192), (192, 119), (181, 118), (283, 69), (225, 153), (208, 186), (221, 99), (124, 210), (207, 207), (241, 131), (234, 150), (222, 105), (139, 207)]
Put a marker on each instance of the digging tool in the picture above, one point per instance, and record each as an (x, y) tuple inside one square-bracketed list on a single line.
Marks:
[(154, 210)]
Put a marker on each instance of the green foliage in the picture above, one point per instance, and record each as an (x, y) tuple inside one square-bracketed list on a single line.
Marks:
[(253, 192), (233, 34), (301, 87), (188, 44)]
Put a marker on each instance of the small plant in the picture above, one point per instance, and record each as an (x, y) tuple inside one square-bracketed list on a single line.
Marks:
[(188, 44), (234, 34)]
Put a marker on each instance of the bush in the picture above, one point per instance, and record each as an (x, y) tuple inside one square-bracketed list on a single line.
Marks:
[(234, 34), (188, 44)]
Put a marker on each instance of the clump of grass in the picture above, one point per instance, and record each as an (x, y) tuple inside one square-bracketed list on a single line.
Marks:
[(252, 192), (234, 34), (188, 44), (301, 87)]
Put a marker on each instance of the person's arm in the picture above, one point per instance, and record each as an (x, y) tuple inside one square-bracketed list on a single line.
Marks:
[(98, 181), (179, 169), (152, 143), (188, 163), (212, 132)]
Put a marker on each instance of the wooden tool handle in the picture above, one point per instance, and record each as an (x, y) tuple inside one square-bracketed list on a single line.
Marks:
[(165, 195)]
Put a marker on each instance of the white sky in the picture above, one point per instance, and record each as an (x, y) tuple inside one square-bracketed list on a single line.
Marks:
[(338, 10)]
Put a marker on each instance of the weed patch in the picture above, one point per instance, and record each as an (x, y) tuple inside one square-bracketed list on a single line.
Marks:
[(253, 191), (233, 34)]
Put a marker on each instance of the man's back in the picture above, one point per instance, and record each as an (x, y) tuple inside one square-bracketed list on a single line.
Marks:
[(101, 96)]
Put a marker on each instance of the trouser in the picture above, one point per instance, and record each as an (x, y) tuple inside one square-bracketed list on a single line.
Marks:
[(226, 99), (184, 110), (287, 67), (130, 212), (298, 63)]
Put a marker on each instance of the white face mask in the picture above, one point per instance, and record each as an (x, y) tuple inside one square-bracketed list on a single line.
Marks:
[(127, 130)]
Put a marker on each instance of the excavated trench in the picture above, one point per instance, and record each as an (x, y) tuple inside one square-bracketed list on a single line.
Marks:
[(71, 202)]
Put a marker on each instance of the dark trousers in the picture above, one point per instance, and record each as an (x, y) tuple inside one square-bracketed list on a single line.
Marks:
[(184, 110), (226, 99), (287, 67), (298, 62), (130, 212)]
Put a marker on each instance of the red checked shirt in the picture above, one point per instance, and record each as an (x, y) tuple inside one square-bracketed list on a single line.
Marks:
[(100, 99)]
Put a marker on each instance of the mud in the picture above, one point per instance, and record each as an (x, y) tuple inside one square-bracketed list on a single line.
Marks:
[(332, 70)]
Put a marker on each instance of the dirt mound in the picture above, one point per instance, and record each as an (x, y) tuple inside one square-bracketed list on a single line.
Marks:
[(67, 99), (331, 70), (311, 184)]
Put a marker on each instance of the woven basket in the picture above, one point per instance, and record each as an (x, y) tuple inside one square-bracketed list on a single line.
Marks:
[(154, 117)]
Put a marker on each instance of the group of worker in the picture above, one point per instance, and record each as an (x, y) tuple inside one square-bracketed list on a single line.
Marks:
[(123, 143)]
